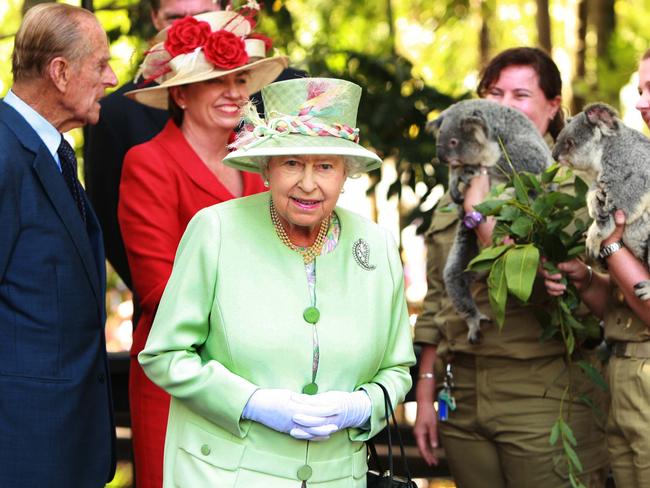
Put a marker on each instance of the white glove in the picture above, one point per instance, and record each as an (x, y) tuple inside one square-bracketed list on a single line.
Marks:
[(348, 410), (275, 408)]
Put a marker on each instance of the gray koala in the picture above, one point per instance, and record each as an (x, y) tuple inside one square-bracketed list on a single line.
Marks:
[(467, 138), (598, 142)]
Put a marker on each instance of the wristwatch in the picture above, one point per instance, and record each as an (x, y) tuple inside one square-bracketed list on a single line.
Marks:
[(609, 249)]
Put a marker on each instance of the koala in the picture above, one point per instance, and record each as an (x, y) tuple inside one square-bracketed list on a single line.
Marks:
[(597, 141), (467, 138)]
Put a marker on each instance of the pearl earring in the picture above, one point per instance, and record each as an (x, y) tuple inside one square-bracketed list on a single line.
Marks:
[(342, 190), (266, 183)]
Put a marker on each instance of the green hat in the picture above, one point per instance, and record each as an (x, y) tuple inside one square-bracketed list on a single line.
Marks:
[(303, 116)]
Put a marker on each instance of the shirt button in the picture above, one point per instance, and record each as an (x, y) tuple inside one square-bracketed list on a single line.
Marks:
[(310, 389), (311, 315), (101, 377), (304, 472), (205, 449)]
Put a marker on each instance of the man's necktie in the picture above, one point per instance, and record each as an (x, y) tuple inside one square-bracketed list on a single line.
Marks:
[(69, 171)]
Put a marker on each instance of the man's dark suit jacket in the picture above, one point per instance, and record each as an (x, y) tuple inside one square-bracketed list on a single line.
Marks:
[(56, 421), (123, 124)]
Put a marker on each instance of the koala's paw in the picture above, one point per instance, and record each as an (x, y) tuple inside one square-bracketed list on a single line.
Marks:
[(474, 335), (642, 290), (593, 241)]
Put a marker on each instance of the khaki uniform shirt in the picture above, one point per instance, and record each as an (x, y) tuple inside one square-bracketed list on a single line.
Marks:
[(621, 323), (440, 325)]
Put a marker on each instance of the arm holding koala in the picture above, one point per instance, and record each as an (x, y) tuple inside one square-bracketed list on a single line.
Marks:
[(624, 268), (476, 192)]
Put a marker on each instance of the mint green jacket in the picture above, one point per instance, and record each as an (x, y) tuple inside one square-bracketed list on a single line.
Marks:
[(230, 321)]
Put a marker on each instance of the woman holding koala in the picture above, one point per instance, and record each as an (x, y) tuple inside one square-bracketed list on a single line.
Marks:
[(504, 393), (611, 296)]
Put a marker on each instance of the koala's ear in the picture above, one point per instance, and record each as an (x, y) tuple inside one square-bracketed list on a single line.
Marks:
[(476, 125), (602, 115), (433, 126)]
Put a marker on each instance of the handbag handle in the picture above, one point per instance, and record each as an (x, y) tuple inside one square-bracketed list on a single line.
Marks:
[(388, 407)]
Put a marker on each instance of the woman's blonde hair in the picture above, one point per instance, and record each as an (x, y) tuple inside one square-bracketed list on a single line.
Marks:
[(48, 30)]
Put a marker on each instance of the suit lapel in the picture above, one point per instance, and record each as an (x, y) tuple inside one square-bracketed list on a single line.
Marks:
[(48, 174), (61, 199), (179, 150)]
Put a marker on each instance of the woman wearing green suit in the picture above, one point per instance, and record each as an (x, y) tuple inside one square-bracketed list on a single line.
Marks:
[(283, 311)]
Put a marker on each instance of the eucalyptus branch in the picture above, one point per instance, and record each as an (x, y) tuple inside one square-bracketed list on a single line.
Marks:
[(547, 225)]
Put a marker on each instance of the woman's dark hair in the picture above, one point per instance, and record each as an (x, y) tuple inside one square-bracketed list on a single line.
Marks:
[(175, 112), (550, 81), (646, 55)]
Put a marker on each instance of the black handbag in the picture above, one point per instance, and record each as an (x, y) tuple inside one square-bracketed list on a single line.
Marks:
[(378, 478)]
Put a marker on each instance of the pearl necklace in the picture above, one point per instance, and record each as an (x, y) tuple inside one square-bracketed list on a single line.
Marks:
[(308, 253)]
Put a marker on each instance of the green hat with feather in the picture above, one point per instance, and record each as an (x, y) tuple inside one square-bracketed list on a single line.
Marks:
[(303, 116)]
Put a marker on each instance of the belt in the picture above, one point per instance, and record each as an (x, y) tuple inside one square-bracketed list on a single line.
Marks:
[(639, 350)]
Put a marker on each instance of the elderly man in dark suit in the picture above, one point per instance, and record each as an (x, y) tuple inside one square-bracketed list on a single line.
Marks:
[(56, 421)]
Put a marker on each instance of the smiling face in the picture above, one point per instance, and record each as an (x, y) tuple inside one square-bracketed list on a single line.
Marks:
[(215, 103), (643, 105), (518, 87), (305, 190)]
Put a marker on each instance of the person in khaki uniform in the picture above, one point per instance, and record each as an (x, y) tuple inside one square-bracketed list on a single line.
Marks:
[(611, 296), (508, 388)]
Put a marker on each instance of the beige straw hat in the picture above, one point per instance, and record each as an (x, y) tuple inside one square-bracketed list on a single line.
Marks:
[(201, 48)]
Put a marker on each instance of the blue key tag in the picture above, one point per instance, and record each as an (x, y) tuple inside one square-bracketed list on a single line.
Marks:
[(443, 413)]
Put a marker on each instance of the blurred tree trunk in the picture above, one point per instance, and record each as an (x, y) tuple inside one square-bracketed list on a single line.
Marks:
[(391, 27), (543, 26), (487, 12), (88, 5), (580, 60), (604, 20)]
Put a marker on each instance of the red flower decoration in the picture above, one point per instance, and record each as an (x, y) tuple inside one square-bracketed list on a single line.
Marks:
[(268, 43), (225, 50), (185, 35)]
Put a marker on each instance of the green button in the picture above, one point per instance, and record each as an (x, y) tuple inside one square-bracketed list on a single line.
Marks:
[(311, 315), (310, 389), (205, 449), (304, 472)]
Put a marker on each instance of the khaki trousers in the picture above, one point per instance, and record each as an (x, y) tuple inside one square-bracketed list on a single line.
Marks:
[(628, 426), (498, 436)]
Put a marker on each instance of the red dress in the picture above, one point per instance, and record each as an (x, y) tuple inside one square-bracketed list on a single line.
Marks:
[(164, 183)]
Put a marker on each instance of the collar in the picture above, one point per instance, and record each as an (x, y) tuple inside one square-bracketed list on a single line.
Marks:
[(46, 131)]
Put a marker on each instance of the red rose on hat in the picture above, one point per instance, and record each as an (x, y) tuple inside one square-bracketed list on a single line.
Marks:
[(185, 35), (225, 50)]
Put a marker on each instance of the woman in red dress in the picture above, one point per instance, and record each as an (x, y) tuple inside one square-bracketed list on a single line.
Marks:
[(205, 66)]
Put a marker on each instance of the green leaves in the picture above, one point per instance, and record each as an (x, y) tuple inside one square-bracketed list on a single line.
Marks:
[(512, 270), (542, 221), (593, 374), (521, 269), (498, 290), (562, 432)]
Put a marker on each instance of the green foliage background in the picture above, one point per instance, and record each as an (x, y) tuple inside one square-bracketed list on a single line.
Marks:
[(413, 57)]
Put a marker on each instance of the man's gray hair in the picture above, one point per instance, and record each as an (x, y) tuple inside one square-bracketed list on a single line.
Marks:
[(47, 31)]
